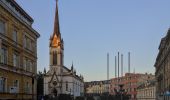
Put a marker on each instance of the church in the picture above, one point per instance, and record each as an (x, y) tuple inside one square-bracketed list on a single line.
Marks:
[(60, 79)]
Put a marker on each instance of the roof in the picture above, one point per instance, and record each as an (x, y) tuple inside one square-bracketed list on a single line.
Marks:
[(68, 73), (148, 83), (98, 82), (18, 8), (162, 45), (16, 11)]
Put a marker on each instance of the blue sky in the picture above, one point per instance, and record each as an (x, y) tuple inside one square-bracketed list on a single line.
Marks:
[(91, 28)]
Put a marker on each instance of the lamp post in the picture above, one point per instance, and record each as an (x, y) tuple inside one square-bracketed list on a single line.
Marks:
[(0, 48), (33, 76), (70, 91)]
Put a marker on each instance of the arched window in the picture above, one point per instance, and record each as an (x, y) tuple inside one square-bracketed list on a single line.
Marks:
[(54, 58), (66, 86)]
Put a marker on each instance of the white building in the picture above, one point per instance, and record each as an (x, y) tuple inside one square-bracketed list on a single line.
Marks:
[(147, 90), (59, 79), (97, 87)]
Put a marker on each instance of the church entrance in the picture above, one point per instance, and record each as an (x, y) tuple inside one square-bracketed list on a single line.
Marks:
[(55, 92)]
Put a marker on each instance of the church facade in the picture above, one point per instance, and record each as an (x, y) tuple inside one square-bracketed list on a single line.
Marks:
[(60, 79)]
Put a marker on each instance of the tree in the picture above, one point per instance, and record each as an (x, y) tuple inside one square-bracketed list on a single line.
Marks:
[(40, 83), (44, 70)]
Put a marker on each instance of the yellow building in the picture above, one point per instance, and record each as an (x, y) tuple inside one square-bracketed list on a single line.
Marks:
[(162, 66), (18, 53)]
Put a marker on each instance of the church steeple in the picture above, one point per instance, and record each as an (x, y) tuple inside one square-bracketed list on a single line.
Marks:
[(56, 42), (55, 39), (56, 23)]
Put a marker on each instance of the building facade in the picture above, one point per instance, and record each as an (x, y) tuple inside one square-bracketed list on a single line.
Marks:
[(97, 88), (59, 79), (147, 90), (130, 82), (18, 52), (162, 66)]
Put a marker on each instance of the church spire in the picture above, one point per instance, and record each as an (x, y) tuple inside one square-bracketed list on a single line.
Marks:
[(56, 22), (55, 39)]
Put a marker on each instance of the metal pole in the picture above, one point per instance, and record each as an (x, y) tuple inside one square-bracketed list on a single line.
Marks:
[(107, 66), (115, 67), (0, 43), (121, 64), (0, 48), (33, 87), (108, 71), (121, 73), (118, 68), (128, 62)]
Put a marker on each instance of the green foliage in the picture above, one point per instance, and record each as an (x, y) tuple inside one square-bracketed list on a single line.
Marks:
[(90, 98), (40, 83), (80, 98), (64, 97)]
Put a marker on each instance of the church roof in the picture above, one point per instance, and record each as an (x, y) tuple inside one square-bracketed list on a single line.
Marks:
[(68, 73)]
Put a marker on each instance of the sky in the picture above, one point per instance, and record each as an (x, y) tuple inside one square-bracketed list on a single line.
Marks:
[(93, 28)]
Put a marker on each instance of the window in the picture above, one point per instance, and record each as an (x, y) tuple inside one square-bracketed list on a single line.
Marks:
[(2, 84), (24, 41), (54, 58), (16, 86), (31, 66), (27, 87), (27, 65), (66, 86), (2, 27), (4, 56), (15, 60), (24, 64), (14, 35), (32, 46), (27, 43)]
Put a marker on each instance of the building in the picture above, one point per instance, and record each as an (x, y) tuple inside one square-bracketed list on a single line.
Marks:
[(147, 90), (18, 53), (97, 88), (145, 77), (59, 79), (162, 66), (130, 82)]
